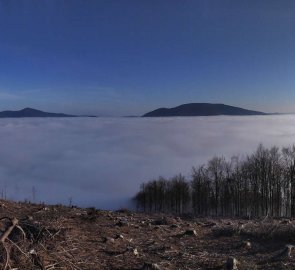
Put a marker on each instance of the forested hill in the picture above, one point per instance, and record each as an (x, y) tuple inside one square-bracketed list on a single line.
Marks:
[(201, 109)]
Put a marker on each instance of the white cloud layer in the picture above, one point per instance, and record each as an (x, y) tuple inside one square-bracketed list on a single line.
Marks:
[(102, 161)]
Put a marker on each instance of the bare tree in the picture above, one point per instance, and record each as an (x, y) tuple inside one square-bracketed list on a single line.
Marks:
[(259, 184)]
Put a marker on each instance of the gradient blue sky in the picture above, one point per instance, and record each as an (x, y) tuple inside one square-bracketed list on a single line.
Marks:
[(128, 57)]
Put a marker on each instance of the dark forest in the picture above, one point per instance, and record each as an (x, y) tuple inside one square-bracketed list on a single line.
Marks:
[(260, 184)]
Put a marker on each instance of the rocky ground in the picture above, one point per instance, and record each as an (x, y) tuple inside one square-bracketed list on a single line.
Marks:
[(57, 237)]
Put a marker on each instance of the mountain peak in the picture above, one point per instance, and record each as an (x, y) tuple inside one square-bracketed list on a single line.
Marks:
[(28, 109)]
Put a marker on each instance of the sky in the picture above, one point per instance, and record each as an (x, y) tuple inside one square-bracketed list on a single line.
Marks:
[(128, 57), (103, 161)]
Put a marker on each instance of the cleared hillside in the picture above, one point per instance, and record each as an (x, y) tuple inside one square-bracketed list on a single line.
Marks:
[(58, 237)]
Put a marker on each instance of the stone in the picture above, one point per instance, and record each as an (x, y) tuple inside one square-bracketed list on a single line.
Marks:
[(247, 244)]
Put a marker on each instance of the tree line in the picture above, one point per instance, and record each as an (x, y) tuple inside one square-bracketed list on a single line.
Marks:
[(259, 184)]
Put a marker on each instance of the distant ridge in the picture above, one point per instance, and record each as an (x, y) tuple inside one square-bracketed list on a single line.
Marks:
[(29, 112), (201, 109)]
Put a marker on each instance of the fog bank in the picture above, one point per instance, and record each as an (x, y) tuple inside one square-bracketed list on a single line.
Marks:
[(102, 161)]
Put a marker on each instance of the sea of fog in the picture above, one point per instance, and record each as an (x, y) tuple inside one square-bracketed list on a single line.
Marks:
[(101, 162)]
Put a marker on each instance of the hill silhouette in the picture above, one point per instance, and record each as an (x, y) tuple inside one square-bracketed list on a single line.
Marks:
[(29, 112), (201, 109)]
